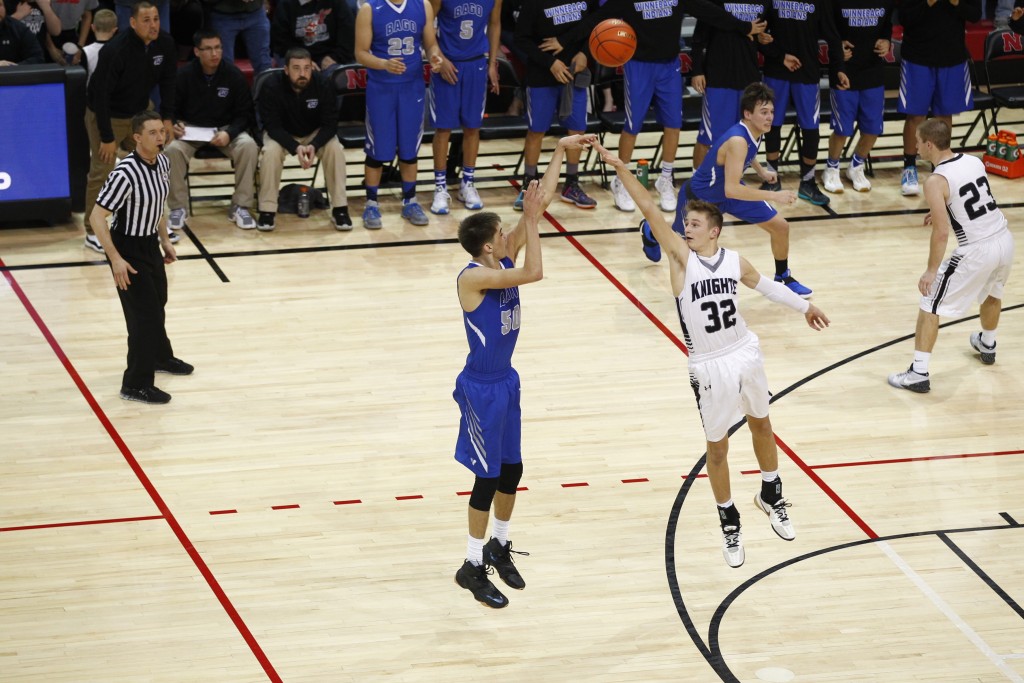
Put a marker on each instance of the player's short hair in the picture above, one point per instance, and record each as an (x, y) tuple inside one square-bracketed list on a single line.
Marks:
[(141, 5), (139, 120), (104, 21), (713, 213), (478, 229), (754, 94), (296, 53), (937, 132), (204, 34)]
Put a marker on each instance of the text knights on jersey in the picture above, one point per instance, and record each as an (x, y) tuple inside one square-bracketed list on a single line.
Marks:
[(717, 285)]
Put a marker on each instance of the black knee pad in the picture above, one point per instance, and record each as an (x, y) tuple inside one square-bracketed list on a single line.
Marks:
[(508, 482), (809, 146), (483, 493), (407, 161), (373, 163), (773, 139)]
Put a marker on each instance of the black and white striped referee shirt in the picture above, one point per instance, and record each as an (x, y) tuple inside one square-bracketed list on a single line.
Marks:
[(135, 193)]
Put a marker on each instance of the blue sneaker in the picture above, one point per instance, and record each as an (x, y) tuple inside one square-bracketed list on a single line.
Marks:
[(414, 213), (794, 286), (518, 203), (652, 250), (908, 182), (572, 193), (371, 216)]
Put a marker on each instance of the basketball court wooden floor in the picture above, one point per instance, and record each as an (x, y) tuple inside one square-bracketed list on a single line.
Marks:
[(295, 513)]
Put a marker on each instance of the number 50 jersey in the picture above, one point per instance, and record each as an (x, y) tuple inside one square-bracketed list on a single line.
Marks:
[(398, 32), (708, 312), (493, 329)]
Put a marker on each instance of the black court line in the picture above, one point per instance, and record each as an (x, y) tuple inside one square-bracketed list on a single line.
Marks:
[(711, 652), (715, 657), (205, 254), (1009, 520), (996, 588)]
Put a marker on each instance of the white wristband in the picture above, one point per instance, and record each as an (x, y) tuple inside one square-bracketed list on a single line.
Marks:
[(781, 294)]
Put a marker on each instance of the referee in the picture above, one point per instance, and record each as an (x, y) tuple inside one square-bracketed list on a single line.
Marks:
[(135, 193)]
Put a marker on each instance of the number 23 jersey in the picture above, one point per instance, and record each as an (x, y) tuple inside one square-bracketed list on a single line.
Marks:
[(707, 306), (398, 32)]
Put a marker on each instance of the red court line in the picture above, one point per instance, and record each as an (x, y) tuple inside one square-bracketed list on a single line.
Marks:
[(223, 512), (415, 497), (347, 502), (635, 481), (922, 458), (574, 485), (56, 525), (292, 506), (165, 512)]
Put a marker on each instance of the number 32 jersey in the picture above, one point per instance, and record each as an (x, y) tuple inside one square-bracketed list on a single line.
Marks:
[(708, 312), (492, 329), (398, 32)]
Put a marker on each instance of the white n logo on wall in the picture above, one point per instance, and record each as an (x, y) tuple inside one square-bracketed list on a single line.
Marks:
[(5, 180)]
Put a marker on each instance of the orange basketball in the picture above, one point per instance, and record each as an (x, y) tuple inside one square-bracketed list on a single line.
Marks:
[(612, 42)]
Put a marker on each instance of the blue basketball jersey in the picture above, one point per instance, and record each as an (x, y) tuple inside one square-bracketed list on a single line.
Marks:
[(462, 28), (398, 32), (708, 183), (493, 329)]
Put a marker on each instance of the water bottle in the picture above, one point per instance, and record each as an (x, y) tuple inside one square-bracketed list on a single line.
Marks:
[(643, 172), (303, 203), (990, 146)]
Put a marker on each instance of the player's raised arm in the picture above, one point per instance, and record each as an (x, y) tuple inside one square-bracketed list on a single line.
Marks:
[(779, 293)]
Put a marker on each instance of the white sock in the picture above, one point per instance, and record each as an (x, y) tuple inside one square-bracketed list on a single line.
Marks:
[(726, 504), (769, 477), (921, 362), (666, 169), (475, 551), (499, 530), (988, 338)]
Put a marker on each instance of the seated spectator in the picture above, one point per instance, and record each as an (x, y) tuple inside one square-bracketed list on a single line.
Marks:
[(104, 26), (17, 44), (326, 28), (299, 112), (38, 17), (75, 21), (246, 18), (212, 93)]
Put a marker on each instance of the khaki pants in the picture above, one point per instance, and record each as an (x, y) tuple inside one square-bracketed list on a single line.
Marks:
[(99, 170), (331, 155), (242, 151)]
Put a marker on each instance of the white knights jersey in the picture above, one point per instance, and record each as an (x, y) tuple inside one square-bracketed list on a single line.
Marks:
[(972, 210), (708, 312)]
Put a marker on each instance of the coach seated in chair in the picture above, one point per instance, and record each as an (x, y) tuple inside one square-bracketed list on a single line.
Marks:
[(213, 107), (299, 111)]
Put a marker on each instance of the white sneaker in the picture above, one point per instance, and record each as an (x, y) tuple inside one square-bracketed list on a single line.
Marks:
[(831, 181), (176, 221), (667, 190), (623, 202), (93, 242), (470, 197), (856, 176), (908, 182), (910, 380), (440, 204), (778, 516), (242, 218), (732, 546), (173, 237)]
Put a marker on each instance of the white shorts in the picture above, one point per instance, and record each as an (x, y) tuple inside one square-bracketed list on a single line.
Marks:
[(970, 274), (729, 387)]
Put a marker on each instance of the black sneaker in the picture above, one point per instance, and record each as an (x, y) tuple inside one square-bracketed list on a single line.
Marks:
[(772, 187), (265, 223), (474, 579), (988, 353), (342, 221), (500, 557), (809, 192), (150, 395), (174, 366)]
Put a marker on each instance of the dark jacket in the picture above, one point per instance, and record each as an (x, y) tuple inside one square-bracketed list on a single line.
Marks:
[(287, 115), (540, 19), (796, 26), (126, 72), (324, 27), (934, 36), (862, 23), (223, 101), (727, 57), (17, 44)]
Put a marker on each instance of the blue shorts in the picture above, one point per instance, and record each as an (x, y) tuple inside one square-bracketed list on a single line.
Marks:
[(939, 91), (394, 119), (657, 81), (460, 105), (542, 107), (863, 108), (751, 212), (806, 98), (490, 432), (720, 111)]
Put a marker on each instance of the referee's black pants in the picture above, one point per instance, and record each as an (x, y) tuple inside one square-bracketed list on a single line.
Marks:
[(143, 304)]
